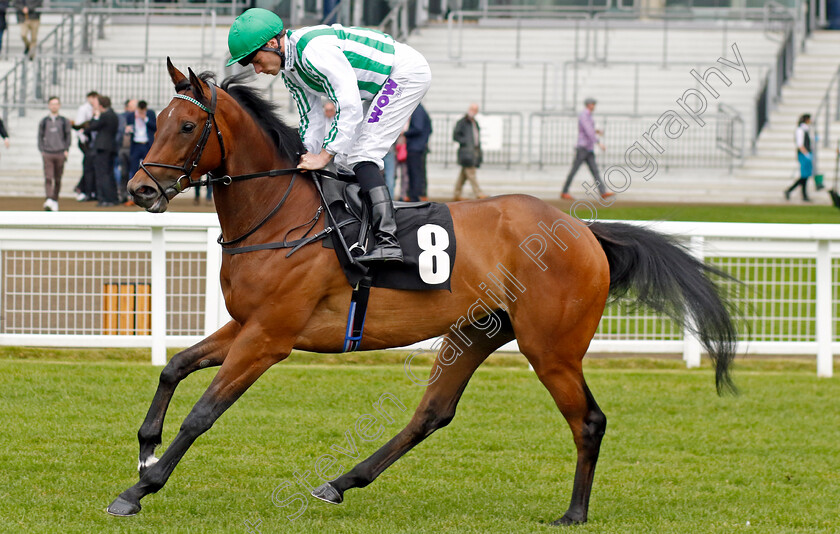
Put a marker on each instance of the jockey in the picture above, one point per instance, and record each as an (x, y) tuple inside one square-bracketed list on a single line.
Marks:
[(374, 82)]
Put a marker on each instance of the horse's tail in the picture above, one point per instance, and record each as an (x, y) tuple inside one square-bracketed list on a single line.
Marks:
[(663, 275)]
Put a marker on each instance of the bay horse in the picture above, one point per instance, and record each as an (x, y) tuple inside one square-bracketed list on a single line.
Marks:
[(559, 273)]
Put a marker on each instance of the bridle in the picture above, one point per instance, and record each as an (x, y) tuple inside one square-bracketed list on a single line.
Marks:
[(193, 159), (195, 156)]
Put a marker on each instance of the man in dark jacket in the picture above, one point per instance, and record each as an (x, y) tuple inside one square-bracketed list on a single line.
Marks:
[(417, 146), (142, 125), (29, 17), (468, 136), (104, 148), (122, 162)]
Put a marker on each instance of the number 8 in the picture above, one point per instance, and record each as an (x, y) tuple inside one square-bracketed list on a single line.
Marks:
[(433, 261)]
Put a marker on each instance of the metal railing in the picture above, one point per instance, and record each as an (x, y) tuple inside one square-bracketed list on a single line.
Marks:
[(480, 76), (570, 85), (94, 20), (402, 19), (770, 90), (175, 7), (63, 62), (73, 77), (151, 280), (552, 137), (730, 134), (11, 85), (547, 139), (16, 82), (826, 113), (592, 27), (592, 51), (119, 78), (340, 14), (455, 30)]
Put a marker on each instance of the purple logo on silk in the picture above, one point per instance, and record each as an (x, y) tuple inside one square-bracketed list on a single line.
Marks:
[(383, 100)]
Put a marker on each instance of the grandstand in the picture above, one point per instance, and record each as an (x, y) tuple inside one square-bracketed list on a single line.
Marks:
[(528, 68)]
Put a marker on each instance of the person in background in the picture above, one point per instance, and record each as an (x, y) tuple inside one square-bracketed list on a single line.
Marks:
[(29, 17), (104, 147), (401, 158), (804, 156), (585, 150), (54, 138), (467, 134), (390, 170), (329, 113), (141, 125), (122, 162), (208, 196), (4, 5), (4, 134), (86, 188), (417, 145)]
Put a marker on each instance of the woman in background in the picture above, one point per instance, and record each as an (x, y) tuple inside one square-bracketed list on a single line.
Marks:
[(804, 155)]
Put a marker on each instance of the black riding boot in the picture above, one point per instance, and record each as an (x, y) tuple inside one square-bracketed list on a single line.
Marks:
[(386, 247)]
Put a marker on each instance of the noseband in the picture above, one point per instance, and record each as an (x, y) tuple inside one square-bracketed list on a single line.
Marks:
[(195, 156)]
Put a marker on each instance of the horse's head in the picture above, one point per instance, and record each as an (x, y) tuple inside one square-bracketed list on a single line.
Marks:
[(188, 143)]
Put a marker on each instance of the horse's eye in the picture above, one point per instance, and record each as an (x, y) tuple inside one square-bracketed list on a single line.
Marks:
[(188, 127)]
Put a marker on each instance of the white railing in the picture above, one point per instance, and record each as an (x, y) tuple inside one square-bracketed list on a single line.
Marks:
[(74, 279), (90, 280)]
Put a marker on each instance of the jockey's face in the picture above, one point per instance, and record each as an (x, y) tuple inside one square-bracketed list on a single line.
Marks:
[(268, 62)]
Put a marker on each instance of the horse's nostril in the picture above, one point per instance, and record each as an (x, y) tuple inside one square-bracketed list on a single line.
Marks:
[(145, 191)]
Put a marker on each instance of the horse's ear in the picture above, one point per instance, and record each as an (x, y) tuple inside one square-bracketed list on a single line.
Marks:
[(176, 75), (199, 88)]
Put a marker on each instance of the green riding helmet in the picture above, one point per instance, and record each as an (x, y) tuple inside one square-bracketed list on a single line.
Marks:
[(250, 31)]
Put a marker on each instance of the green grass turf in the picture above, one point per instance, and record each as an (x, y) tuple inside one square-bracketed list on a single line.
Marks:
[(714, 213), (676, 458)]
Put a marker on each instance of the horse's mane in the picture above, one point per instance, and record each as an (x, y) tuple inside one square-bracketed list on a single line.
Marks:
[(263, 111)]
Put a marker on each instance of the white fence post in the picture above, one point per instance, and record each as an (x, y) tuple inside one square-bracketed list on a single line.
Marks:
[(211, 289), (158, 296), (691, 345), (824, 310)]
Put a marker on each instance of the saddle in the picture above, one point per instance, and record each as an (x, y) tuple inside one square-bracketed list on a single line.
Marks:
[(424, 230)]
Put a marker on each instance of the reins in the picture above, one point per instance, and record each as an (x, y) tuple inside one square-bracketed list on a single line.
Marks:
[(271, 214), (192, 162)]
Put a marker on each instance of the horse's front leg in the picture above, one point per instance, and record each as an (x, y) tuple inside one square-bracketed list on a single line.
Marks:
[(209, 352), (251, 354)]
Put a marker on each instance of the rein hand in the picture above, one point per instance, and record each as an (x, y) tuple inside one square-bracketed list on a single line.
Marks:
[(314, 162)]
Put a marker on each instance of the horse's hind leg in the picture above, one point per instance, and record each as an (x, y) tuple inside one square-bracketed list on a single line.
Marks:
[(436, 410), (564, 381), (209, 352)]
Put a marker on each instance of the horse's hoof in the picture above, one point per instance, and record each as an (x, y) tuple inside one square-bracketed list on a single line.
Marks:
[(122, 508), (327, 493), (567, 520)]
